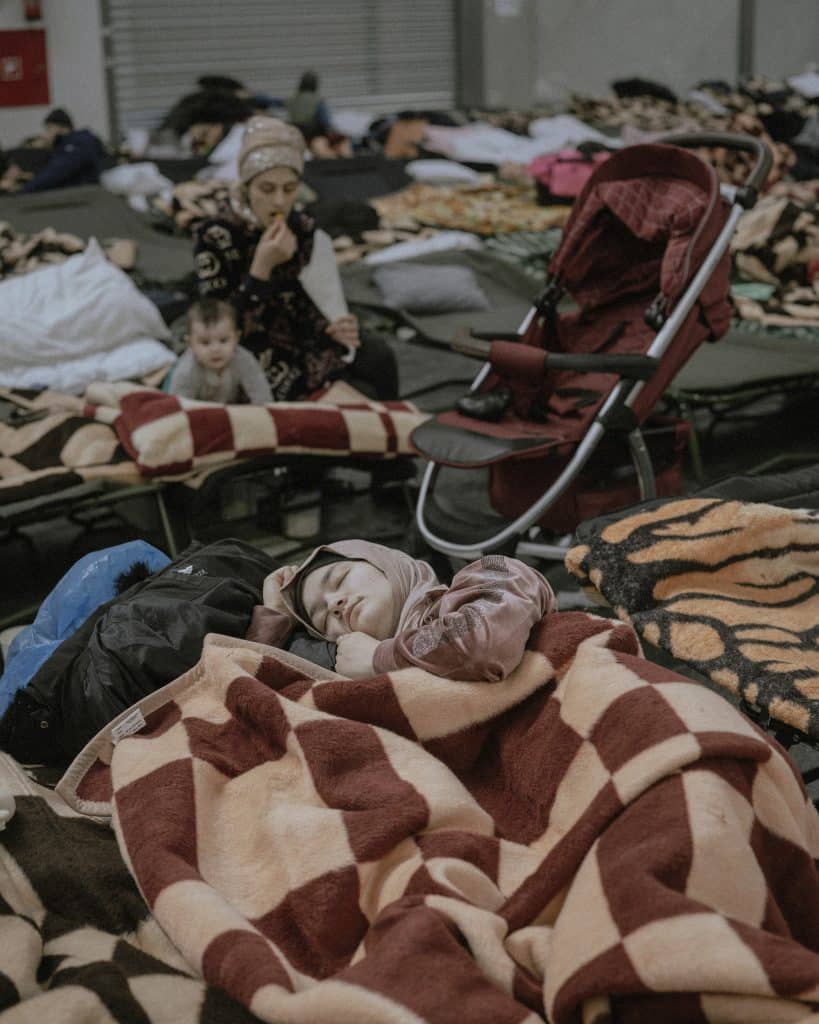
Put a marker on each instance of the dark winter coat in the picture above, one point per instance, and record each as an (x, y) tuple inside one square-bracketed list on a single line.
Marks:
[(77, 160), (133, 645)]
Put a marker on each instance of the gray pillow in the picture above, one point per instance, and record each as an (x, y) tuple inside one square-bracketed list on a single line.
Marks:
[(426, 288)]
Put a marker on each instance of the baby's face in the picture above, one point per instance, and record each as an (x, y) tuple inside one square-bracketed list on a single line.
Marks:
[(213, 344), (349, 597)]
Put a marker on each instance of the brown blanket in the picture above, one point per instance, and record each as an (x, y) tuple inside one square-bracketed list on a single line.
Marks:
[(731, 588), (47, 444), (594, 839), (21, 253), (77, 943)]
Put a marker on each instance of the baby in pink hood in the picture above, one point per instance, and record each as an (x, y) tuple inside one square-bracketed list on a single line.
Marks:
[(385, 610)]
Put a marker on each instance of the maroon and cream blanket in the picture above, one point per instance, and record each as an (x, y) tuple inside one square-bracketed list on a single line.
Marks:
[(595, 839), (123, 433), (167, 435)]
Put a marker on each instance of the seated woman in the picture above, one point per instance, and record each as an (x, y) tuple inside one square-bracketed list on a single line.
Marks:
[(385, 610), (252, 254)]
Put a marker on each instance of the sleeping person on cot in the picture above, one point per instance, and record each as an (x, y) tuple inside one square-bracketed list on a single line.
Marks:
[(385, 610)]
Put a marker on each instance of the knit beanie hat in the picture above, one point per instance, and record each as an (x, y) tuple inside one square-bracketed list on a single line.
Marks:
[(268, 142)]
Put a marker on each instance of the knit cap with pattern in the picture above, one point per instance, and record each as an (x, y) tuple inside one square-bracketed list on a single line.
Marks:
[(268, 142)]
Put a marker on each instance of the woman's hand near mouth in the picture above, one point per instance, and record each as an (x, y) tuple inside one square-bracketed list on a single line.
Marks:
[(276, 246)]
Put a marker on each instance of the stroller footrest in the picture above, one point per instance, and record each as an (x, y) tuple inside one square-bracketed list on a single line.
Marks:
[(453, 445)]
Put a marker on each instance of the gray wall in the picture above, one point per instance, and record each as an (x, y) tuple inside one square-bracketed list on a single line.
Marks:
[(543, 49), (787, 36), (512, 44), (584, 44), (76, 75)]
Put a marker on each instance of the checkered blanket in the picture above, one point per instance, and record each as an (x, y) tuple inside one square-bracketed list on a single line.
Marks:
[(168, 435), (121, 433), (594, 839)]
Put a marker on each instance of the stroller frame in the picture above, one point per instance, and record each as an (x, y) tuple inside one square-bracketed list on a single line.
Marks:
[(623, 394)]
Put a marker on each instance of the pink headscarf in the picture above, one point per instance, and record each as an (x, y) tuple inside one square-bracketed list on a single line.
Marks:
[(414, 585)]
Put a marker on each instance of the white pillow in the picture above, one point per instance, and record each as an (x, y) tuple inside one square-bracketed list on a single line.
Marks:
[(69, 313), (142, 179), (131, 361), (441, 170)]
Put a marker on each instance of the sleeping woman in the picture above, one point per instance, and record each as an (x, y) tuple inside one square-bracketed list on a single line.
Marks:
[(384, 610)]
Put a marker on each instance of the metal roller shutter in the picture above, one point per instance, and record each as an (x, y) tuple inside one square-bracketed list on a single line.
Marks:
[(370, 54)]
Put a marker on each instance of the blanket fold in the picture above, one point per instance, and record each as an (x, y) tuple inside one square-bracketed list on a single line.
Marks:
[(595, 839)]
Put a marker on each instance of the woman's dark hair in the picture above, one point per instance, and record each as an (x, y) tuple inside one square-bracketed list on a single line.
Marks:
[(219, 83), (309, 82), (206, 107)]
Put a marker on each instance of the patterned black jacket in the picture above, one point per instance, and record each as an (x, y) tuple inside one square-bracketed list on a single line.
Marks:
[(279, 323)]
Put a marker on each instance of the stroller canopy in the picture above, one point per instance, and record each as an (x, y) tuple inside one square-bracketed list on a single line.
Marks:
[(645, 221)]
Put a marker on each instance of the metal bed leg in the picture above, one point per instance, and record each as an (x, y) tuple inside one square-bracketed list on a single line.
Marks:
[(166, 523), (694, 446), (642, 464)]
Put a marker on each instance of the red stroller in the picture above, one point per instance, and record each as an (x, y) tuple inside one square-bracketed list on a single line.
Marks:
[(645, 258)]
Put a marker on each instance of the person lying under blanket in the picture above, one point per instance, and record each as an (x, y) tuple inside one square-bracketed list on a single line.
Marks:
[(384, 610)]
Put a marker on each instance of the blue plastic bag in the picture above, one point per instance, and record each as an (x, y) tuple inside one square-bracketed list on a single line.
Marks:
[(88, 584)]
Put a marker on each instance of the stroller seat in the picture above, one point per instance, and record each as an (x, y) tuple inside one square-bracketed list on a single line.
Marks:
[(645, 260), (452, 439)]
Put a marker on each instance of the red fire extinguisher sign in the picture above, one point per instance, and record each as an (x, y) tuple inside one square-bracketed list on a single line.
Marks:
[(23, 68)]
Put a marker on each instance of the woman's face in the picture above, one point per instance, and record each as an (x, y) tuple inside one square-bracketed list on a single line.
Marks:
[(204, 136), (273, 192), (349, 597)]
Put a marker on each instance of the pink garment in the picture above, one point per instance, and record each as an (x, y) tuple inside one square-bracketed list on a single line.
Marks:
[(478, 628), (475, 629)]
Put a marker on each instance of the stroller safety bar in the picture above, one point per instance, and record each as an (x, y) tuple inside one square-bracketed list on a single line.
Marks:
[(746, 195)]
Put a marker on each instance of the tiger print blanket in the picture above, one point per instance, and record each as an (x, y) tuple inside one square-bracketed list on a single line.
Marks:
[(731, 588), (48, 444), (594, 839)]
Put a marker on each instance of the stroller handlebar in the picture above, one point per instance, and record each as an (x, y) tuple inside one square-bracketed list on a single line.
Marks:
[(520, 359), (747, 193)]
